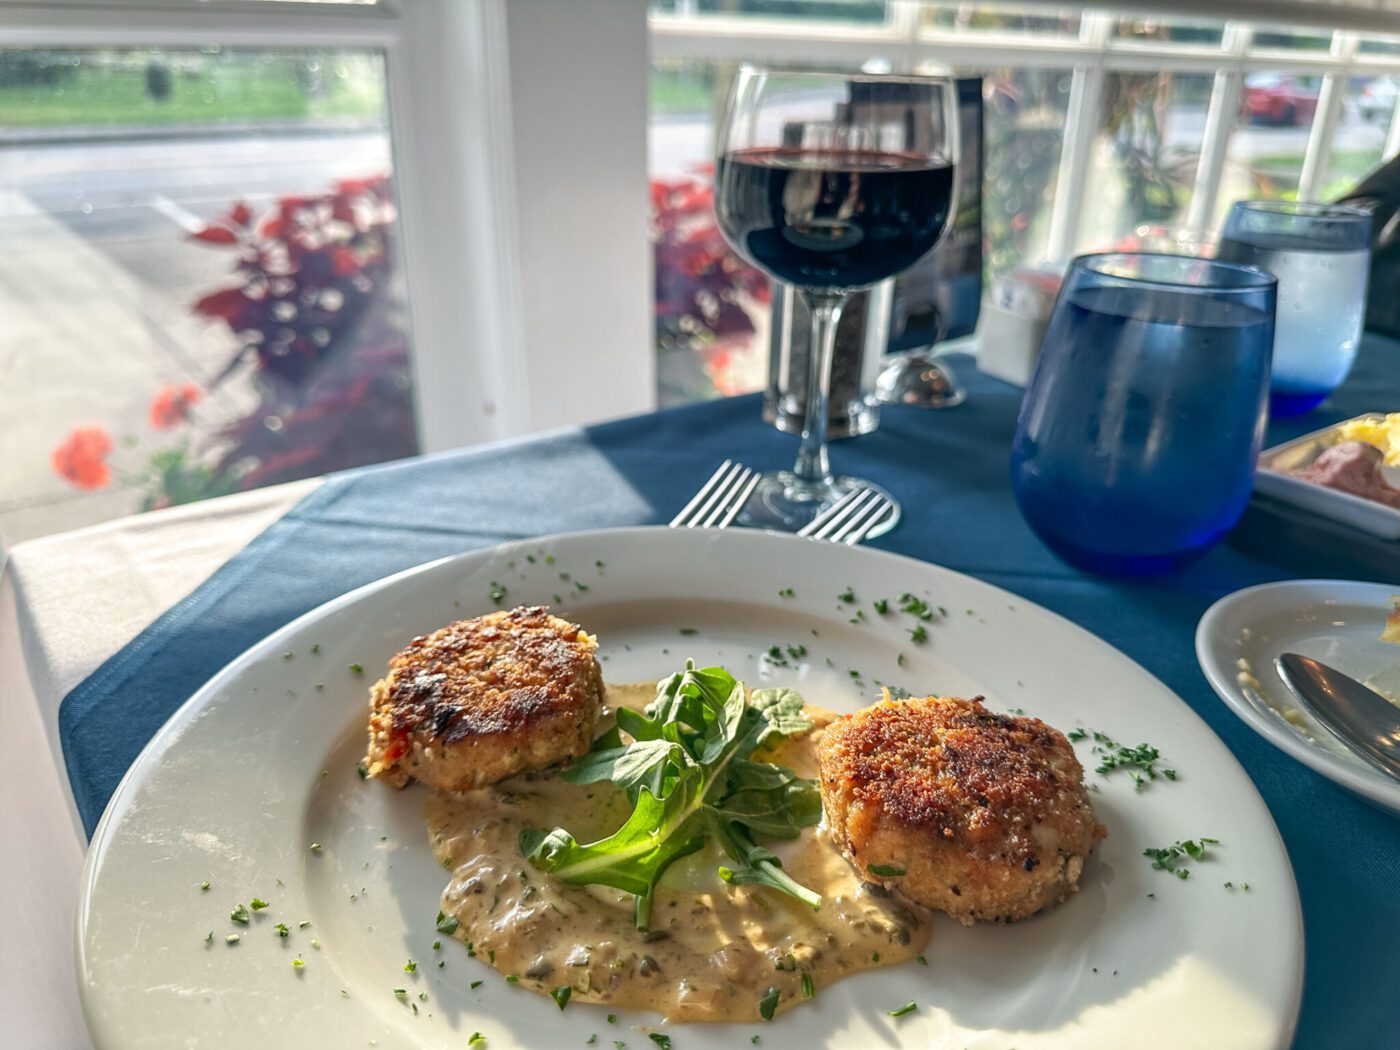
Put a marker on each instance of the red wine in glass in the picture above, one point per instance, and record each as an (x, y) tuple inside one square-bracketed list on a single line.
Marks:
[(833, 219)]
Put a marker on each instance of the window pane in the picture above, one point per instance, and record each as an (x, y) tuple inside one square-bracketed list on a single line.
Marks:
[(199, 277), (711, 307), (1383, 45), (1291, 40), (1144, 160), (1198, 32), (860, 11), (1000, 18), (1367, 109), (1024, 119), (1264, 159)]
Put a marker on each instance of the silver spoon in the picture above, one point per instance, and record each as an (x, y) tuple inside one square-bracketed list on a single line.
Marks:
[(1362, 719)]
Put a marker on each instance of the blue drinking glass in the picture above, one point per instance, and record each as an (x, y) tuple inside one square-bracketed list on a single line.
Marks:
[(1138, 436), (1321, 255)]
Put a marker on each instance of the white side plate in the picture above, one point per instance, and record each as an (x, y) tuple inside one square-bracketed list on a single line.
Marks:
[(1336, 621), (261, 763)]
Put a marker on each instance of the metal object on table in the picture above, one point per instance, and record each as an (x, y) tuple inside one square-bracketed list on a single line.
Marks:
[(861, 337), (851, 518), (1366, 722), (919, 379), (719, 500)]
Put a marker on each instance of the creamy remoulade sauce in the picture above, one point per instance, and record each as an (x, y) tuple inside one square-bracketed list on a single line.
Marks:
[(713, 950)]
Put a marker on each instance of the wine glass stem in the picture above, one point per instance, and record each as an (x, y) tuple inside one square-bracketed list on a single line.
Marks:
[(825, 307)]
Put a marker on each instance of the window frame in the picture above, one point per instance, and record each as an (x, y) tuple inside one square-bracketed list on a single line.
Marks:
[(1091, 54), (471, 260)]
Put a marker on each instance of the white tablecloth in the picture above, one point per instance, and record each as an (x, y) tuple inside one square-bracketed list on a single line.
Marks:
[(67, 603)]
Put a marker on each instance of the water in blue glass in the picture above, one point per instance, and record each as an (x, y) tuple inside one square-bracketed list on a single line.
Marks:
[(1320, 254), (1137, 441)]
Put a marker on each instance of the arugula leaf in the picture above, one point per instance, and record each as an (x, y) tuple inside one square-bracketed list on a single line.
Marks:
[(689, 774)]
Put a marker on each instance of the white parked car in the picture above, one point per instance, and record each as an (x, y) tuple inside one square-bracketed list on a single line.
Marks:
[(1377, 99)]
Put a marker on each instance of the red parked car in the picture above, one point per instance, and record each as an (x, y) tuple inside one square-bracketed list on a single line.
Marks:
[(1278, 98)]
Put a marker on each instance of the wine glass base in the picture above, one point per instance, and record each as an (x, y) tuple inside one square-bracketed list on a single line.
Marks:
[(783, 502), (919, 380)]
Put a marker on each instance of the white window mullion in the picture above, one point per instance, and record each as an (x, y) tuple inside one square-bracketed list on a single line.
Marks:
[(1081, 126), (1325, 120), (1221, 119)]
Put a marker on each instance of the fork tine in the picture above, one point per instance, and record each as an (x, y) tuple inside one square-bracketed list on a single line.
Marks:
[(718, 502), (879, 510), (838, 523), (683, 519), (737, 504), (825, 517)]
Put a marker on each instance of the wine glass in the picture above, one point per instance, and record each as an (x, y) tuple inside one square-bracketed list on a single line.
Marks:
[(831, 182)]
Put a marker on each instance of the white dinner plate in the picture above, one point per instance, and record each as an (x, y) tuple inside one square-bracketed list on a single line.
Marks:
[(261, 763), (1336, 621)]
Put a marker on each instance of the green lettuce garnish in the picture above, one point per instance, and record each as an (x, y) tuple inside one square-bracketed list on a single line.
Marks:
[(688, 771)]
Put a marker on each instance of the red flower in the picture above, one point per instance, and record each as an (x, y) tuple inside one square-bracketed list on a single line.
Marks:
[(82, 458), (171, 406)]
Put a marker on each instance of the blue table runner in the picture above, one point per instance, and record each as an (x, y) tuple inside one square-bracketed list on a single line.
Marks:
[(949, 469)]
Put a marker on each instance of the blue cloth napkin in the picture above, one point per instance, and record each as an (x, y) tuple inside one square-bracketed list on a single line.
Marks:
[(949, 469)]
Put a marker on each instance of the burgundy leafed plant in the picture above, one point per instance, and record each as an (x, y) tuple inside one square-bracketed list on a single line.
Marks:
[(701, 285)]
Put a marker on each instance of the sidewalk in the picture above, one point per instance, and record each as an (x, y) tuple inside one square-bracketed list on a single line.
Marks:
[(85, 133), (82, 342)]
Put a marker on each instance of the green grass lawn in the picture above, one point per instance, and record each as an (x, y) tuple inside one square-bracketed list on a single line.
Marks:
[(219, 91), (1346, 168)]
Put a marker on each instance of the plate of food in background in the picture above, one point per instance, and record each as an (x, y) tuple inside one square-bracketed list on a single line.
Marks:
[(688, 789), (1349, 472)]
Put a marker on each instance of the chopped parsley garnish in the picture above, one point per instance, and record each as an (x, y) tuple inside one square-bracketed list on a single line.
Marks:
[(887, 870), (303, 924), (1170, 858), (915, 606), (401, 994), (1140, 761), (476, 984), (848, 596), (918, 635), (448, 924), (315, 847), (512, 979), (882, 605), (900, 660), (688, 631), (209, 937), (239, 915), (357, 668), (298, 962), (874, 956), (689, 776), (497, 592), (423, 997), (787, 592), (921, 960), (258, 904), (907, 1008), (437, 946), (476, 1038), (204, 886), (410, 966), (775, 656), (808, 989), (612, 1018), (797, 652), (768, 1004), (283, 930), (315, 647), (663, 1041), (561, 995)]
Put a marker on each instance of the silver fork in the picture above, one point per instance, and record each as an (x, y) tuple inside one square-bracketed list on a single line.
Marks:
[(850, 519), (719, 500)]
